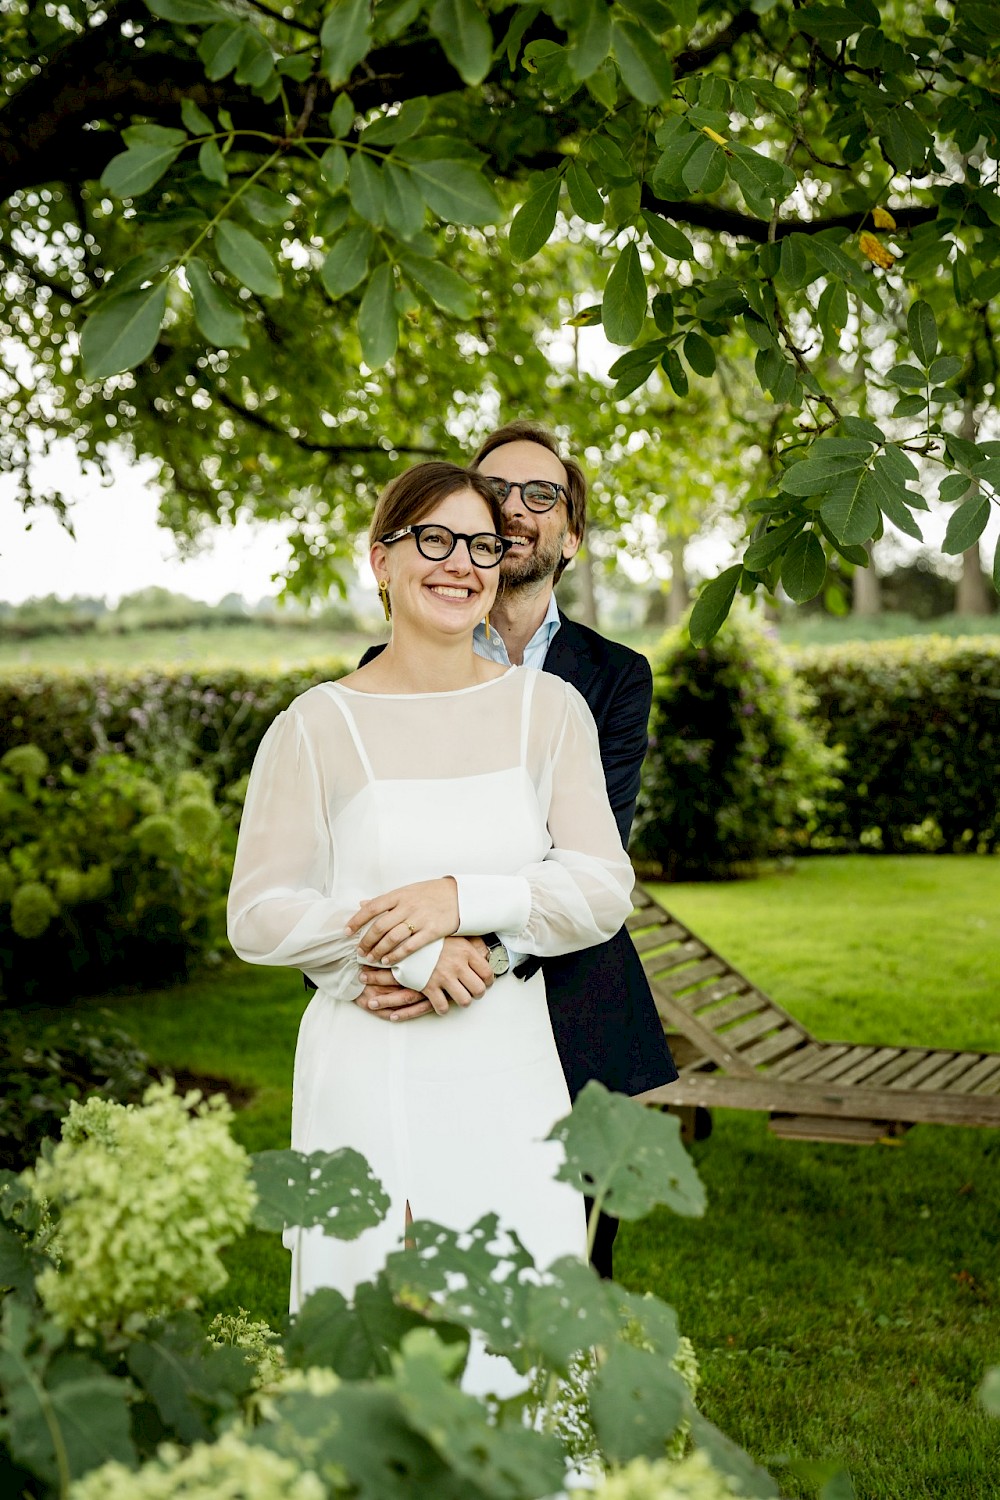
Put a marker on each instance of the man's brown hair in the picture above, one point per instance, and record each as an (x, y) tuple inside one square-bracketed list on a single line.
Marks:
[(523, 431)]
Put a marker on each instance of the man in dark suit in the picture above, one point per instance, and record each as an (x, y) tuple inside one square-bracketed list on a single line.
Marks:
[(603, 1016)]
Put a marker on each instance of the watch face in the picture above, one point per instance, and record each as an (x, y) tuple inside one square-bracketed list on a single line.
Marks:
[(499, 960)]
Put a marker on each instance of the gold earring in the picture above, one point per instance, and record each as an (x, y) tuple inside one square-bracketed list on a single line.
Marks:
[(383, 593), (486, 622)]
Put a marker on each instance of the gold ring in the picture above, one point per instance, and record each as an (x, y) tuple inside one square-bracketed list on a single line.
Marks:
[(411, 927)]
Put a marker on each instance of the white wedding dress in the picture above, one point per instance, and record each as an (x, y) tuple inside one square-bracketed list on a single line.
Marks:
[(353, 794)]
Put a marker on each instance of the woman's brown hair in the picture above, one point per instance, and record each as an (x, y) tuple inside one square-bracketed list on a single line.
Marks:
[(411, 495)]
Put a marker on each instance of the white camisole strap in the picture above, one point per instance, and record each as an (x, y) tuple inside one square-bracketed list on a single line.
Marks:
[(337, 698)]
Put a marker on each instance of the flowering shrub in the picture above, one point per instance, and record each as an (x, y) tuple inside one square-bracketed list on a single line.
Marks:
[(694, 1478), (146, 1198), (735, 771), (121, 871), (230, 1469)]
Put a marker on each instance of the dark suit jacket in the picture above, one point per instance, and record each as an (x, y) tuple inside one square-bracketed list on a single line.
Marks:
[(603, 1016)]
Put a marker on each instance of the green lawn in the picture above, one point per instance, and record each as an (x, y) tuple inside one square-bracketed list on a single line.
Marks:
[(843, 1300)]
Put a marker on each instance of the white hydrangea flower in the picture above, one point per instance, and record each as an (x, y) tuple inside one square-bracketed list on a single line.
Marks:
[(146, 1197), (692, 1478), (258, 1340), (230, 1469)]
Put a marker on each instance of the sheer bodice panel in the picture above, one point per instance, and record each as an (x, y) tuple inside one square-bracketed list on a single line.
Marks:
[(354, 794)]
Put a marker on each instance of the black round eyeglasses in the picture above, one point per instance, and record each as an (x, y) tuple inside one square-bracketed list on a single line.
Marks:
[(434, 542), (538, 494)]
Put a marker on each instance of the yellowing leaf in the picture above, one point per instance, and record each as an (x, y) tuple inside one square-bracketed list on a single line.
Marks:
[(876, 252), (713, 135), (883, 219)]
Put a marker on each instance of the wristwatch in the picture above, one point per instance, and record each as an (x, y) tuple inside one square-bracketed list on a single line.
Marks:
[(497, 957)]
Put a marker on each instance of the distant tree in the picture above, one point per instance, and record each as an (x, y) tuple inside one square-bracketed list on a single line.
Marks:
[(278, 248)]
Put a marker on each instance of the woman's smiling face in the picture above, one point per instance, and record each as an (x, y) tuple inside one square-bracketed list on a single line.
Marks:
[(451, 595)]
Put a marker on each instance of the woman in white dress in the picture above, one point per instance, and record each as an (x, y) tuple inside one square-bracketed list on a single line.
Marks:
[(431, 793)]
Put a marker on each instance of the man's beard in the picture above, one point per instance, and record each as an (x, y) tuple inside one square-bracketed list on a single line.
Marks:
[(539, 564)]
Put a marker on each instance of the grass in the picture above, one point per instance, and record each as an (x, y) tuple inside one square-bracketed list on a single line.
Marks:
[(843, 1300)]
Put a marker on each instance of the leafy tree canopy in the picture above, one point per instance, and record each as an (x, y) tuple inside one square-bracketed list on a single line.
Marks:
[(279, 248)]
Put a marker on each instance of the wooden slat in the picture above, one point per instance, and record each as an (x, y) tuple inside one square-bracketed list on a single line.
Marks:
[(683, 979), (684, 953), (823, 1128), (752, 1028), (789, 1065), (761, 1091), (904, 1059), (868, 1065), (773, 1046), (827, 1052), (732, 1010), (958, 1065), (921, 1070), (980, 1074), (729, 984), (658, 937), (830, 1070)]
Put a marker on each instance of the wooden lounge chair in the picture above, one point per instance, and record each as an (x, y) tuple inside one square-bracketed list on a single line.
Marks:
[(737, 1049)]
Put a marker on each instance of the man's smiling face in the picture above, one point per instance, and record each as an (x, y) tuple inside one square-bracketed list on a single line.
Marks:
[(542, 539)]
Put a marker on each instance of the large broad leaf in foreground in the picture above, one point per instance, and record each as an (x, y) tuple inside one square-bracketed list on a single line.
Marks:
[(356, 1339), (191, 1382), (628, 1156), (334, 1189)]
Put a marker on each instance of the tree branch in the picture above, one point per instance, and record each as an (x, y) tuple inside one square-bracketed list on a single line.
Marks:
[(330, 450), (744, 226), (744, 23)]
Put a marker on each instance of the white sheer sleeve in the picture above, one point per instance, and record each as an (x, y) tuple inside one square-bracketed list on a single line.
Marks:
[(278, 910), (580, 893)]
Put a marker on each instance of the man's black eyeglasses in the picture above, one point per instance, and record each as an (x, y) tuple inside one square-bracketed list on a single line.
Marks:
[(434, 542), (538, 494)]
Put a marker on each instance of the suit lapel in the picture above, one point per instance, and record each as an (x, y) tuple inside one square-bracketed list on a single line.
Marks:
[(569, 657)]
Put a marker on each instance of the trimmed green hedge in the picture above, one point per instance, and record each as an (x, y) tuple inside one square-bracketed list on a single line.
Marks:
[(212, 720), (919, 721)]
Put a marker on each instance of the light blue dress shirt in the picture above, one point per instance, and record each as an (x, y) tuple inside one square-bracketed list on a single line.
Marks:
[(535, 651)]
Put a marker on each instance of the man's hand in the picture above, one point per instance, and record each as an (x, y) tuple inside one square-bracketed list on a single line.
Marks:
[(462, 975), (401, 921)]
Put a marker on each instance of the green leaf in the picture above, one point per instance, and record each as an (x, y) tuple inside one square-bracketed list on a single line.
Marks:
[(803, 569), (154, 135), (391, 129), (247, 259), (966, 525), (355, 1340), (637, 1401), (761, 553), (667, 237), (996, 568), (590, 39), (190, 1381), (135, 171), (535, 219), (586, 201), (705, 169), (332, 217), (457, 193), (379, 333), (333, 168), (645, 66), (51, 1394), (909, 406), (195, 118), (828, 23), (572, 1310), (850, 511), (491, 1458), (342, 116), (794, 261), (674, 371), (220, 322), (404, 206), (953, 487), (943, 369), (265, 207), (629, 1157), (211, 163), (220, 48), (463, 1278), (445, 288), (16, 1269), (699, 354), (367, 189), (860, 427), (333, 1189), (816, 476), (465, 37), (907, 377), (922, 329), (751, 1481), (256, 64), (122, 332), (345, 38), (891, 497), (624, 305), (186, 12), (300, 67), (757, 175)]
